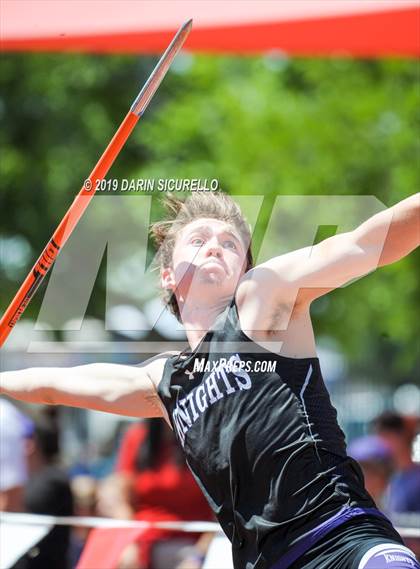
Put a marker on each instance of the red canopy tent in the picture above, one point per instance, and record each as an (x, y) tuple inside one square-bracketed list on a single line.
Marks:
[(362, 28)]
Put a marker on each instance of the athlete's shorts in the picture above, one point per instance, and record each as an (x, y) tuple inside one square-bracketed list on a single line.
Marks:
[(388, 555), (365, 542)]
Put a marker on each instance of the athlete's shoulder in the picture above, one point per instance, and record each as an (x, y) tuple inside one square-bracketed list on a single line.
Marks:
[(274, 318), (260, 303), (262, 285), (154, 366)]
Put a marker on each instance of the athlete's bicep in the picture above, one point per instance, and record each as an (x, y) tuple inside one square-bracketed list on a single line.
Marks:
[(306, 274), (334, 262)]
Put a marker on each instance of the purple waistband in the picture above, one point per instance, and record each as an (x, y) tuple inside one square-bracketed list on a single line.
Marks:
[(318, 533)]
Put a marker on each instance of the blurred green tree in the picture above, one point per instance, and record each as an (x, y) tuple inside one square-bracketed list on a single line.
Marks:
[(266, 126)]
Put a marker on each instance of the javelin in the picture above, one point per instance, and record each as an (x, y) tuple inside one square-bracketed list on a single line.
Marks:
[(77, 208)]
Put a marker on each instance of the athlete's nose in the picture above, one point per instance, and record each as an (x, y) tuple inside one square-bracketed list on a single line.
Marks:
[(214, 248)]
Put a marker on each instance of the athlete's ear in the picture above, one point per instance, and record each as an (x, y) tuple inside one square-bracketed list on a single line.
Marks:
[(167, 278)]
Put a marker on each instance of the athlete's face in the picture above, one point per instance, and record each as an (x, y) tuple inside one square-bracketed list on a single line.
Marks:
[(208, 253)]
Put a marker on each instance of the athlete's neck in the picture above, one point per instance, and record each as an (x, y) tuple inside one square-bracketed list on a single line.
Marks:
[(198, 317)]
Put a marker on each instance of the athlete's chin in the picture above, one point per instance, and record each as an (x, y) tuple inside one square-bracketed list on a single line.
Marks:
[(213, 279), (212, 273)]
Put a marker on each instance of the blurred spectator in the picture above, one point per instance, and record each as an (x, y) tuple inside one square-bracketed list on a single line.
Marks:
[(161, 488), (399, 433), (83, 488), (47, 492), (151, 483), (375, 459), (14, 426), (98, 460)]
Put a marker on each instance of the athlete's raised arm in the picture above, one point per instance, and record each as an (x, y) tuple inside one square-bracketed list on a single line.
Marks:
[(305, 274), (113, 388)]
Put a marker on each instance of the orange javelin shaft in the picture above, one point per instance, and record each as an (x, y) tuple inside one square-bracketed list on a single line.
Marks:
[(82, 200)]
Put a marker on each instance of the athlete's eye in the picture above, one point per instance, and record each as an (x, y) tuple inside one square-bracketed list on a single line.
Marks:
[(196, 241), (229, 244)]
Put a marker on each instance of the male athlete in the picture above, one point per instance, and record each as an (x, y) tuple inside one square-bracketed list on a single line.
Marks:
[(256, 423)]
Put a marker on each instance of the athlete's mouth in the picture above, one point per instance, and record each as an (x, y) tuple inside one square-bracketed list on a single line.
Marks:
[(214, 262)]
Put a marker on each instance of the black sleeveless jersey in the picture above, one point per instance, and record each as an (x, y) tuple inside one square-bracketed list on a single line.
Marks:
[(261, 438)]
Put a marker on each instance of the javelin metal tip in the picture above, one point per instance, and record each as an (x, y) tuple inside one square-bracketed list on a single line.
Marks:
[(143, 98), (185, 29)]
